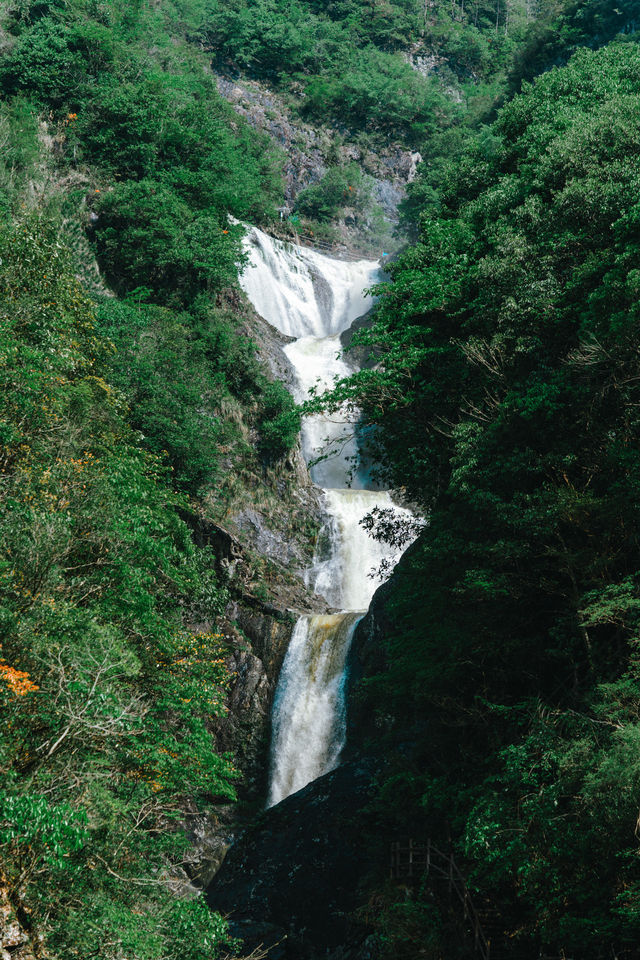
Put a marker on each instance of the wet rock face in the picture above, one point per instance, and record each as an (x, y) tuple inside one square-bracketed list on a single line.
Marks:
[(254, 664), (257, 636), (269, 631), (211, 836), (294, 880), (363, 357), (14, 941), (245, 729), (267, 541)]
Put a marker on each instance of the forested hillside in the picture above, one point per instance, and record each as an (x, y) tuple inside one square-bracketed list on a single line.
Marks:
[(506, 405), (137, 409), (117, 413), (354, 63)]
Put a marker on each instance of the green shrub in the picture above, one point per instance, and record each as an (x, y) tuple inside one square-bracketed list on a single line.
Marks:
[(340, 187), (55, 62), (279, 422), (176, 369), (146, 235)]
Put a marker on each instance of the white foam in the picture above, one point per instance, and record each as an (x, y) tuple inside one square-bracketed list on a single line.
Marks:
[(314, 298)]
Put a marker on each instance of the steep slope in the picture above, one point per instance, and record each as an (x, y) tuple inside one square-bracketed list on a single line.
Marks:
[(155, 508), (499, 665), (141, 640)]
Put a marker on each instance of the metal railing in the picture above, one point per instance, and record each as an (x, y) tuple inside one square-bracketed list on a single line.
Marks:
[(412, 858), (326, 246)]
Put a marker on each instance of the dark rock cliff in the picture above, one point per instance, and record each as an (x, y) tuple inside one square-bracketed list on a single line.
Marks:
[(295, 880), (301, 879), (366, 658)]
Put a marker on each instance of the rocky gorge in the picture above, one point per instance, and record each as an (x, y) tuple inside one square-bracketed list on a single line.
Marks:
[(319, 480), (307, 840), (283, 532), (312, 149)]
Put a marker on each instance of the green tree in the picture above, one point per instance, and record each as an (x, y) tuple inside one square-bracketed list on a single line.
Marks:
[(146, 235), (505, 400), (105, 690)]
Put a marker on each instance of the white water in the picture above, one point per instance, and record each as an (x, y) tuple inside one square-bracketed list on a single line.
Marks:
[(309, 707), (315, 298), (301, 292), (318, 363), (347, 557)]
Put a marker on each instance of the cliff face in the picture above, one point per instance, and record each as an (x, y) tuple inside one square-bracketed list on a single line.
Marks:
[(294, 881), (302, 877), (310, 150), (15, 942)]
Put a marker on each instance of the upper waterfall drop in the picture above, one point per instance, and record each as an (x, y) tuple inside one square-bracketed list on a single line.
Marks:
[(301, 292)]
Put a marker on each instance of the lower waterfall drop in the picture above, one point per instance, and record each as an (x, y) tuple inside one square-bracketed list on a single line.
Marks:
[(309, 721), (315, 298)]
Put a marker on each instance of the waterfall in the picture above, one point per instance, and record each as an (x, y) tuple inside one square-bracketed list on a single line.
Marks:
[(314, 298), (301, 292), (309, 708)]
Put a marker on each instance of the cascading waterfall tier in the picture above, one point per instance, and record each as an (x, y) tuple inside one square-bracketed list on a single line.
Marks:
[(348, 559), (301, 292), (314, 298), (309, 707)]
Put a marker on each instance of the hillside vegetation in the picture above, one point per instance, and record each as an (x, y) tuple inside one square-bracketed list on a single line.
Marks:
[(106, 689), (118, 412), (506, 407), (506, 402), (351, 61)]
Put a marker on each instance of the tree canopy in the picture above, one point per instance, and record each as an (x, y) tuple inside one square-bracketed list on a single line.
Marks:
[(506, 400)]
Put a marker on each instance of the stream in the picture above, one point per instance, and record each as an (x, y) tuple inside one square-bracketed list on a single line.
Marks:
[(314, 298)]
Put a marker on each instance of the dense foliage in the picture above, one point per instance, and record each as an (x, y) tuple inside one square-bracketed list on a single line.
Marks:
[(105, 690), (164, 223), (566, 25), (340, 61), (506, 402), (114, 409)]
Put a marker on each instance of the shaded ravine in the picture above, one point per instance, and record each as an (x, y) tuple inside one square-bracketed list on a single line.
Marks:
[(315, 298)]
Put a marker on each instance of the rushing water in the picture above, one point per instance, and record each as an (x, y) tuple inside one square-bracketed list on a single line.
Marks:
[(309, 711), (301, 292), (314, 298)]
